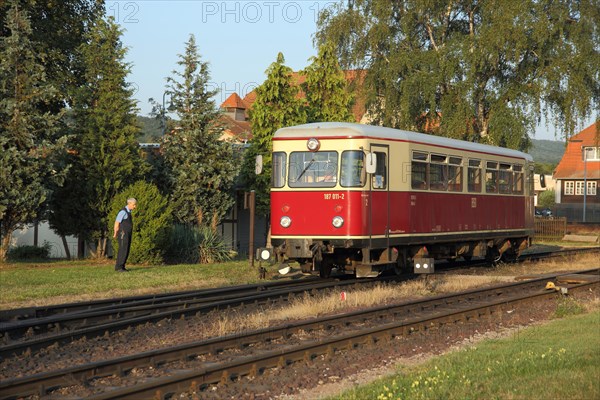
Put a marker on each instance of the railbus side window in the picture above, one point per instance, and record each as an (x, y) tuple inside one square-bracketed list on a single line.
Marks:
[(353, 171), (455, 174), (418, 170), (438, 172), (491, 177), (505, 179), (474, 178), (380, 175), (278, 175), (517, 179)]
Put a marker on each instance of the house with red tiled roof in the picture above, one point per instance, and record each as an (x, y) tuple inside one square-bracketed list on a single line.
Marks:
[(237, 108), (578, 177), (235, 120)]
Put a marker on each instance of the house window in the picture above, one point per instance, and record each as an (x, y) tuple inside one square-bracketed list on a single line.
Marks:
[(569, 188), (592, 153), (579, 188), (591, 188)]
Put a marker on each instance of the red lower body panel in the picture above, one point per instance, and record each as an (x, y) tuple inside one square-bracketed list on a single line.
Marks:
[(400, 213)]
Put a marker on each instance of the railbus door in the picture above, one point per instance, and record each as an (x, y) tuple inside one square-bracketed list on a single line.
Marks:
[(379, 214)]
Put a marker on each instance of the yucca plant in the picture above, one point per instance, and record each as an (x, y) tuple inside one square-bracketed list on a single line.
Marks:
[(193, 244)]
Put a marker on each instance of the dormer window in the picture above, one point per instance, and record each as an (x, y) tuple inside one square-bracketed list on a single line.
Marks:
[(591, 153)]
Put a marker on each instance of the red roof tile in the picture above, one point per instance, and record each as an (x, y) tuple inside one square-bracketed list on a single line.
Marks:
[(240, 130), (354, 77), (234, 101), (571, 166)]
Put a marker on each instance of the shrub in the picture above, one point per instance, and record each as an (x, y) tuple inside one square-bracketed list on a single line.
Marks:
[(192, 244), (30, 252), (546, 199), (151, 222)]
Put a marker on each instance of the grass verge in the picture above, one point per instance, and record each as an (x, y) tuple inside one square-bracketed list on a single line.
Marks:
[(559, 360), (27, 284)]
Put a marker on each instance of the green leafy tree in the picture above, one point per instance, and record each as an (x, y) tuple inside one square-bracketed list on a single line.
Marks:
[(544, 168), (107, 156), (546, 199), (277, 105), (481, 71), (58, 29), (152, 222), (201, 166), (327, 95), (29, 148)]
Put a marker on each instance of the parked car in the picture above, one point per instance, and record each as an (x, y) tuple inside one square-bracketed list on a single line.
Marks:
[(543, 212)]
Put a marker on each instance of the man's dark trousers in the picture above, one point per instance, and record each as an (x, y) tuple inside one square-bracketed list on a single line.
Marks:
[(124, 238)]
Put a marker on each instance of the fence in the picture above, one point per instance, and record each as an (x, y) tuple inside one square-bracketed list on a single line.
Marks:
[(552, 228)]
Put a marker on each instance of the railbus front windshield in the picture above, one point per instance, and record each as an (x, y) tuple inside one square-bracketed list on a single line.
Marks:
[(319, 169)]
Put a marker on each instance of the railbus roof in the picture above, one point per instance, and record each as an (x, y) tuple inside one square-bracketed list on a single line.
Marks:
[(344, 130)]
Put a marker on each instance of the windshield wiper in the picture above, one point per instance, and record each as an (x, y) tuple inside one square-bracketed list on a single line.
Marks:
[(305, 169)]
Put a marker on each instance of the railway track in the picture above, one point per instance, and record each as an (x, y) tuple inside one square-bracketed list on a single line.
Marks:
[(31, 334), (191, 367), (34, 328)]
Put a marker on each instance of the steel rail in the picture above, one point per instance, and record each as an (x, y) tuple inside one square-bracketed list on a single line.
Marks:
[(157, 298), (40, 383), (226, 372), (132, 309), (64, 336)]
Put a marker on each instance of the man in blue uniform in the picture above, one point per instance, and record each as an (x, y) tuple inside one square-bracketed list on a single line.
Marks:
[(122, 231)]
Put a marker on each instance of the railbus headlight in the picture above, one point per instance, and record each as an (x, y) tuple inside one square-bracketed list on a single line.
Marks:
[(313, 144), (338, 222), (285, 221)]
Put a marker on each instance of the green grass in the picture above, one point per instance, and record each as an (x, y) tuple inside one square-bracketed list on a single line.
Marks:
[(52, 282), (560, 360)]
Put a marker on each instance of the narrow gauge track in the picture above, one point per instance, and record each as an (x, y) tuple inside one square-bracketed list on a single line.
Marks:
[(68, 327), (210, 361), (19, 314), (72, 321), (452, 267)]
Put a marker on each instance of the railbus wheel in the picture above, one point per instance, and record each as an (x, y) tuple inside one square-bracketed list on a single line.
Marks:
[(510, 256), (493, 255), (400, 265), (325, 266)]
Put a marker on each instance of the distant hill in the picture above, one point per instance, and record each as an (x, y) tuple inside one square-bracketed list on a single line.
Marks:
[(547, 151)]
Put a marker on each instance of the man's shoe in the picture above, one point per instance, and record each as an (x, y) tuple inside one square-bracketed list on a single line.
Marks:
[(123, 270)]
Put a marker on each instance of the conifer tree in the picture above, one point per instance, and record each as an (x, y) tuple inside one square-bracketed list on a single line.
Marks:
[(201, 166), (277, 105), (327, 95), (28, 144), (107, 156), (481, 71)]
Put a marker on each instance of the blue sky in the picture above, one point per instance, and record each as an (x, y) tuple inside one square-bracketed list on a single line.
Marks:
[(239, 40)]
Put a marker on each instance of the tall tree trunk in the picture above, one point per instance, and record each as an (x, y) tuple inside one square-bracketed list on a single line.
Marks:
[(67, 252), (4, 247), (102, 247), (80, 247)]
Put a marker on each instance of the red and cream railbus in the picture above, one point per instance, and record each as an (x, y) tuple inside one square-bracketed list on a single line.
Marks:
[(363, 198)]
